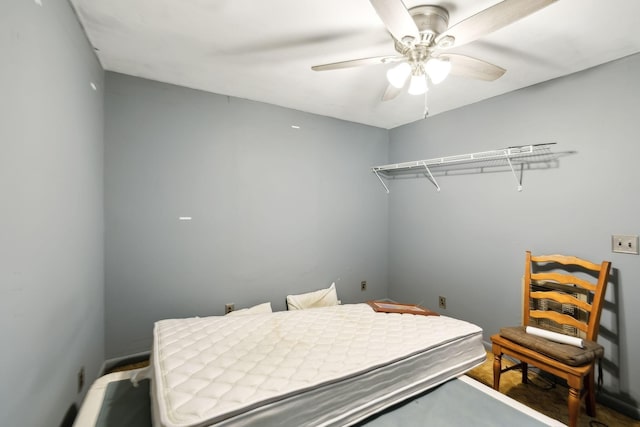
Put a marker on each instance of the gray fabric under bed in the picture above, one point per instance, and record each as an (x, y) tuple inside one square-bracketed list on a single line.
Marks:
[(454, 403), (125, 405)]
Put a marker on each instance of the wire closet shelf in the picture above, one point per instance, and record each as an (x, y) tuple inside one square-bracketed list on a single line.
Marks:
[(517, 155)]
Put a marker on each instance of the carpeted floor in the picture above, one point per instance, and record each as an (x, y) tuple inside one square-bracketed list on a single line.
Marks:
[(546, 397)]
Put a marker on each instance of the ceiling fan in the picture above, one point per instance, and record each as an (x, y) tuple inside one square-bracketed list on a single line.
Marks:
[(422, 32)]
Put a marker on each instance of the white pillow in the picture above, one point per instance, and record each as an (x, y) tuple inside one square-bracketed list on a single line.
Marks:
[(260, 308), (322, 298)]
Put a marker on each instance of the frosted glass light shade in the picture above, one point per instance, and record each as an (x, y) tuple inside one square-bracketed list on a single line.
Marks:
[(418, 84), (437, 69), (398, 75)]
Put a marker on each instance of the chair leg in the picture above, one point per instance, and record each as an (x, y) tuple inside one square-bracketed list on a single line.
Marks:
[(525, 372), (574, 406), (590, 399), (497, 368)]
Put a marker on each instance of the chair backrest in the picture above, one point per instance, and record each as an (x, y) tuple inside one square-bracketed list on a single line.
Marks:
[(564, 294)]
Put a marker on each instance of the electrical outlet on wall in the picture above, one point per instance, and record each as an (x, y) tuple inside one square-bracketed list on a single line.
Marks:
[(228, 308), (442, 302), (624, 244), (363, 285)]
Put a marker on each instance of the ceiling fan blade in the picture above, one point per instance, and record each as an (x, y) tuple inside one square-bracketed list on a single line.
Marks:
[(308, 42), (466, 66), (357, 63), (391, 92), (396, 18), (489, 20)]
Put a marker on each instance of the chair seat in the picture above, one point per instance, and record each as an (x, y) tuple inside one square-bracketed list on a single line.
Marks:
[(565, 353)]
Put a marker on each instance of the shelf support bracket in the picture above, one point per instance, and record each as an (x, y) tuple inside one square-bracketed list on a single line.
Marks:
[(433, 180), (515, 175), (381, 181)]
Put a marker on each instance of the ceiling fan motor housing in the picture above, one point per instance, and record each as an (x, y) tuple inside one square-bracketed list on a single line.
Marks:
[(431, 21)]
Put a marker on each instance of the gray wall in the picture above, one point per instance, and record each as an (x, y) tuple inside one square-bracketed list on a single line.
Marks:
[(51, 212), (467, 242), (274, 210)]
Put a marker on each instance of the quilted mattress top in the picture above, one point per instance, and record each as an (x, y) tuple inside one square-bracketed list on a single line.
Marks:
[(212, 368)]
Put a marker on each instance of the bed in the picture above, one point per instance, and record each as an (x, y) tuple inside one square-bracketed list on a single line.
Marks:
[(329, 366)]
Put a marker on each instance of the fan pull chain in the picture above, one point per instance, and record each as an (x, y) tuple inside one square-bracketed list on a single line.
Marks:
[(426, 107)]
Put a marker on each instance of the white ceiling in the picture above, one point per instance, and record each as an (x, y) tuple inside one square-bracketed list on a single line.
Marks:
[(264, 50)]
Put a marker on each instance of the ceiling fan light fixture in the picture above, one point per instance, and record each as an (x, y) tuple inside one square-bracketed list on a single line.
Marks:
[(398, 75), (418, 84), (437, 69)]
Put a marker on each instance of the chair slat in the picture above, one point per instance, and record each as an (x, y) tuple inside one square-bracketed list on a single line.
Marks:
[(565, 279), (562, 319), (561, 298), (566, 260)]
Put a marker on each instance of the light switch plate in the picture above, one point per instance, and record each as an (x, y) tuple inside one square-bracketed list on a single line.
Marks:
[(624, 244)]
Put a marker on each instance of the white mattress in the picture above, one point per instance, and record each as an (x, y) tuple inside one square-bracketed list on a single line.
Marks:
[(328, 366)]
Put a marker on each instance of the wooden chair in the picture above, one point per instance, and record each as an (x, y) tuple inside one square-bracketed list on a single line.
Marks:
[(557, 300)]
